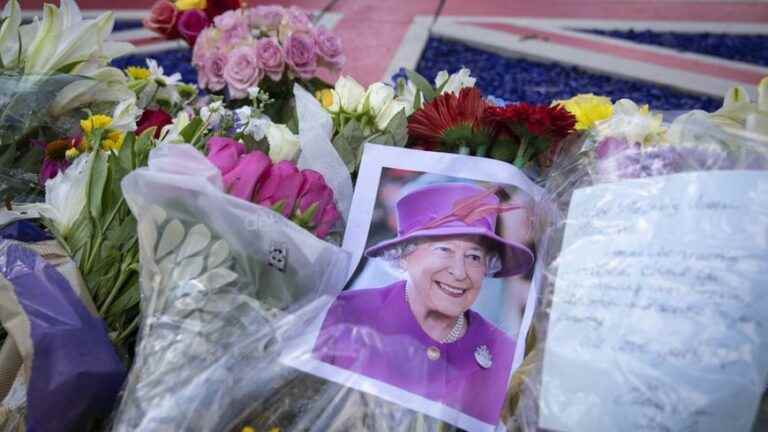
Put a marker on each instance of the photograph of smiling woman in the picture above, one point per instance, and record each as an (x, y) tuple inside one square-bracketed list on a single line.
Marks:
[(420, 332)]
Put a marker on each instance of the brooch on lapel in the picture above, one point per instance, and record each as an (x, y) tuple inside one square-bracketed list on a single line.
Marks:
[(483, 357)]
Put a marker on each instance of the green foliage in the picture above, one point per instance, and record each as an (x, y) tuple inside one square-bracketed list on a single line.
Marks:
[(422, 85), (349, 143)]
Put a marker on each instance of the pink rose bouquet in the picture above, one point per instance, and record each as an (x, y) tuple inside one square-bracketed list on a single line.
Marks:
[(245, 46), (302, 196)]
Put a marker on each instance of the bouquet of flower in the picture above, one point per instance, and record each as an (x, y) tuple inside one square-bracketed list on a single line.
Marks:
[(51, 72), (667, 213), (186, 18), (244, 47)]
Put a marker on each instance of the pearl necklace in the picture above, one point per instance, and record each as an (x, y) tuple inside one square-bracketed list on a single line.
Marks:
[(458, 326)]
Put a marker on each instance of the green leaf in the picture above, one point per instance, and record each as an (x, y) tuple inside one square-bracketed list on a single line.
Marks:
[(96, 184), (398, 129), (417, 101), (125, 155), (347, 143), (8, 156), (421, 84), (192, 129)]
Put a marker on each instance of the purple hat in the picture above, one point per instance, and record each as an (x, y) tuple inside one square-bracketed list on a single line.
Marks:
[(456, 209)]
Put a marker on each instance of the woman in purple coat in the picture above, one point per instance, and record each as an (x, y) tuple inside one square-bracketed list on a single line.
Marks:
[(419, 334)]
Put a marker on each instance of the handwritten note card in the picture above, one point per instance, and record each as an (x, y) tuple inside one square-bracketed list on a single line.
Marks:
[(659, 320)]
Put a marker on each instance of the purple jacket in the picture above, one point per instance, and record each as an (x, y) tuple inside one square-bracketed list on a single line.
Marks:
[(374, 333)]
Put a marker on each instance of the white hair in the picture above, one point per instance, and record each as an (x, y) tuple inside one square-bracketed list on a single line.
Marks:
[(394, 254)]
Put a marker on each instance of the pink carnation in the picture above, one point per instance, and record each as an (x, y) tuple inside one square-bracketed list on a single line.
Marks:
[(329, 48), (271, 58), (301, 54)]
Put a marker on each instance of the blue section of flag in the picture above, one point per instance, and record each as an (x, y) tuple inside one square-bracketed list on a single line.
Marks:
[(518, 79), (748, 48)]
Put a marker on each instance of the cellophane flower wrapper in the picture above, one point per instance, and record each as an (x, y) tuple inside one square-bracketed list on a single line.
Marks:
[(639, 327), (226, 285), (26, 103)]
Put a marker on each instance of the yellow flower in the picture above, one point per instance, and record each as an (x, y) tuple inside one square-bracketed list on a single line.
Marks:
[(97, 121), (113, 141), (329, 99), (71, 154), (248, 429), (588, 109), (137, 73), (183, 5)]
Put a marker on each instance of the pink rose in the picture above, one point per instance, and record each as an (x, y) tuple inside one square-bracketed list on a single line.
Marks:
[(233, 26), (242, 71), (162, 19), (242, 180), (329, 48), (317, 195), (224, 153), (301, 55), (214, 71), (297, 19), (280, 188), (267, 18), (270, 57), (203, 46), (191, 24)]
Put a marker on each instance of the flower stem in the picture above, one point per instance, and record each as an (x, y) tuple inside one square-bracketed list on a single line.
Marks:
[(113, 293), (520, 159)]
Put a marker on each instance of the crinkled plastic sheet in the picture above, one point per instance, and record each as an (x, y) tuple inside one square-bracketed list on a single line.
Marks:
[(225, 283), (697, 145)]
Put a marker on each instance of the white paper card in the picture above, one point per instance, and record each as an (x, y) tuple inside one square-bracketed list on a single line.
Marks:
[(659, 320)]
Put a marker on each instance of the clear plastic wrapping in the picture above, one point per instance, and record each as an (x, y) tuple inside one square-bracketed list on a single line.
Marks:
[(653, 307), (226, 284)]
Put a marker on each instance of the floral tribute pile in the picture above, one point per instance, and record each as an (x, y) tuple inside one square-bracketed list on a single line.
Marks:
[(72, 128)]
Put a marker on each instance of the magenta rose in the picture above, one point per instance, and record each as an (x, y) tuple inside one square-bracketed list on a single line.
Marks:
[(242, 180), (329, 48), (214, 71), (301, 55), (191, 24), (155, 118), (162, 19), (266, 17), (280, 188), (224, 153), (270, 57), (242, 71), (313, 206)]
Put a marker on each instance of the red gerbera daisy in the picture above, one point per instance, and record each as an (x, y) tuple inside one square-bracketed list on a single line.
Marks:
[(450, 122), (536, 128)]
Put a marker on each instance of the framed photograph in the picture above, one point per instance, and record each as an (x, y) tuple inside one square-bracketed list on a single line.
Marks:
[(435, 312)]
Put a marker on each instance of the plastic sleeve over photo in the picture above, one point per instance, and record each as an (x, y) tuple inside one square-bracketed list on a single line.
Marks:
[(653, 306)]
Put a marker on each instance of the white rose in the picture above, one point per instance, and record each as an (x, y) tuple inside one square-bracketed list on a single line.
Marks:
[(389, 112), (283, 144), (350, 93), (329, 99), (458, 81), (376, 98), (441, 77)]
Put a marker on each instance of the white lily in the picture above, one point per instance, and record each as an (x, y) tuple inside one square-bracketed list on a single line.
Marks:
[(125, 115), (65, 194), (104, 85), (9, 34), (64, 40), (740, 113)]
